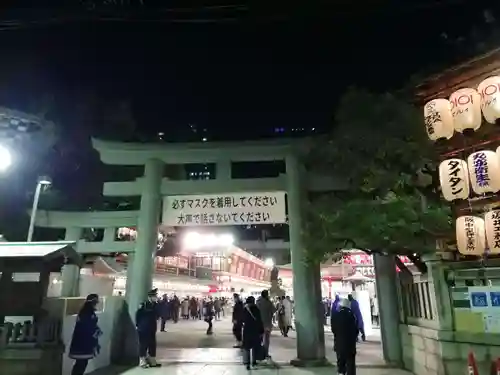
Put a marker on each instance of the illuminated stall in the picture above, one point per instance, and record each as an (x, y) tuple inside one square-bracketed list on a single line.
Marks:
[(354, 272), (203, 264)]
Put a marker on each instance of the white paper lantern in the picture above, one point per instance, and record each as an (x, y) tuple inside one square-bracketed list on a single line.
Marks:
[(454, 179), (466, 109), (471, 236), (484, 171), (492, 226), (489, 90), (498, 153), (438, 119)]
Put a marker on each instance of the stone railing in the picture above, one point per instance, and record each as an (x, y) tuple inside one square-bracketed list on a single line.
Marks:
[(31, 349), (47, 332)]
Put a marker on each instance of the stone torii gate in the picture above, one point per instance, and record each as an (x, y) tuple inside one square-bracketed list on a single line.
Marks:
[(153, 186)]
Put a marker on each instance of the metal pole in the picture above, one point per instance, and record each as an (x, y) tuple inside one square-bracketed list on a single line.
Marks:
[(33, 211)]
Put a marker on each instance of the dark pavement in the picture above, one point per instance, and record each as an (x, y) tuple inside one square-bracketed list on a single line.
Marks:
[(187, 342)]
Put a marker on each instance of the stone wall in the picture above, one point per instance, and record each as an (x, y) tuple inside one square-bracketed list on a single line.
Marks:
[(429, 351), (28, 360)]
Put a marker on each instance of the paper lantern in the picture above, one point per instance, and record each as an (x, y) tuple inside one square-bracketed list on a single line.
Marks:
[(484, 171), (466, 109), (454, 179), (489, 90), (498, 153), (492, 226), (438, 119), (471, 236)]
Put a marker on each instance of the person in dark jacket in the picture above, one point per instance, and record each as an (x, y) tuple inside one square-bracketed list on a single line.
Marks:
[(267, 310), (85, 341), (193, 308), (238, 320), (163, 311), (176, 305), (281, 317), (253, 330), (345, 335), (209, 314), (146, 319)]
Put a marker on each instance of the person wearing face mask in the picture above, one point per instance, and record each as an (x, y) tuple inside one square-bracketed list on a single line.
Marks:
[(85, 341), (238, 320), (146, 320)]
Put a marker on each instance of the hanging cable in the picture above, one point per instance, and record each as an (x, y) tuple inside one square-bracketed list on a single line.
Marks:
[(275, 12)]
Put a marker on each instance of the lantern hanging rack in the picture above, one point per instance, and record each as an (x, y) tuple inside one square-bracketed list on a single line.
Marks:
[(455, 152), (472, 70), (478, 205)]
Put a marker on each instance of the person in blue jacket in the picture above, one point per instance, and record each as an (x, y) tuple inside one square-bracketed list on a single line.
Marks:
[(146, 319), (357, 313), (335, 305), (85, 341)]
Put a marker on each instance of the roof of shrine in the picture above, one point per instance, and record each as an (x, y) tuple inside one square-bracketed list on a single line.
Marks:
[(467, 74), (46, 250)]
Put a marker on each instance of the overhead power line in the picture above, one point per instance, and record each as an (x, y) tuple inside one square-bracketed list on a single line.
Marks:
[(256, 10)]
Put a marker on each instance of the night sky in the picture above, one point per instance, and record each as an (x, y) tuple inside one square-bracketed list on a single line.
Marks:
[(238, 75), (247, 73)]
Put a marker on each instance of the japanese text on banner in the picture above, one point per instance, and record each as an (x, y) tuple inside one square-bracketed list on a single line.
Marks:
[(227, 209)]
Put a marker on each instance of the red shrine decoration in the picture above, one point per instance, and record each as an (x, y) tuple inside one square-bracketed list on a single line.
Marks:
[(363, 262)]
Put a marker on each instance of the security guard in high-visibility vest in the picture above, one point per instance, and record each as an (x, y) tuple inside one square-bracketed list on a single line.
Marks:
[(145, 320)]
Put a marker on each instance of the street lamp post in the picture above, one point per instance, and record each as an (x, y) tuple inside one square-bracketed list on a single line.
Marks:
[(43, 182)]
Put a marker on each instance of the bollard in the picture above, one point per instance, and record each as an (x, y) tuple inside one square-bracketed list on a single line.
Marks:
[(495, 367), (471, 365)]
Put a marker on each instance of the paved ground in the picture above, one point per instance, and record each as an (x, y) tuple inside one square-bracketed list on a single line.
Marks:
[(186, 342), (220, 369), (186, 349)]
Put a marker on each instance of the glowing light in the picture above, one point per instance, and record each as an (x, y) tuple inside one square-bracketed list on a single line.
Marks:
[(5, 159), (192, 241), (269, 262), (196, 241), (226, 239), (44, 180)]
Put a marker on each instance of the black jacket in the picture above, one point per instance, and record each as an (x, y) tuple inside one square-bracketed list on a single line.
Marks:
[(253, 327), (238, 312), (146, 317), (209, 310), (345, 331)]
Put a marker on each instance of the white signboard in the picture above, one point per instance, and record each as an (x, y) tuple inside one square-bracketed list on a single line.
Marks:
[(486, 300), (225, 209)]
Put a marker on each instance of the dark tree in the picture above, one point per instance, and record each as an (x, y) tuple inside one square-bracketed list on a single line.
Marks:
[(379, 147)]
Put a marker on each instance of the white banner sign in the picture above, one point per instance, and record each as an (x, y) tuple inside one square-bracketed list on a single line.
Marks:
[(224, 209)]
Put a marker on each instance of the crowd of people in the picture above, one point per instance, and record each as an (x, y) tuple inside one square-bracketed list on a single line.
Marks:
[(253, 322), (208, 308)]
